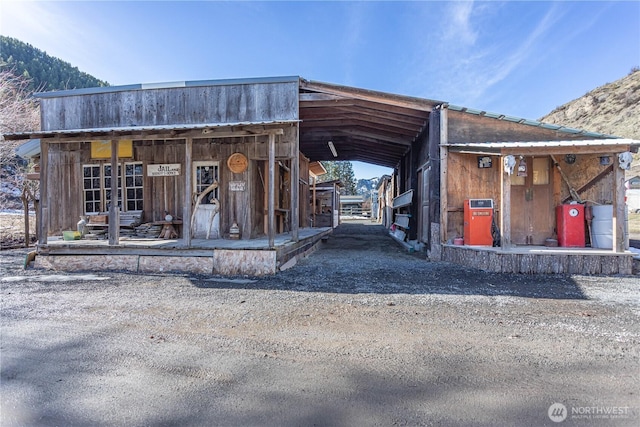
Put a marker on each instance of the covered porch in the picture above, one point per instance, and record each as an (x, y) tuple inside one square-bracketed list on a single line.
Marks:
[(254, 257), (530, 185)]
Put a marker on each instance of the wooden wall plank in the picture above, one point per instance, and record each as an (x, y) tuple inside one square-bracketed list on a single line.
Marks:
[(234, 103)]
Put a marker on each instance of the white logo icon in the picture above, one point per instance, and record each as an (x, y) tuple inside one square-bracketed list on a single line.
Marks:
[(557, 412)]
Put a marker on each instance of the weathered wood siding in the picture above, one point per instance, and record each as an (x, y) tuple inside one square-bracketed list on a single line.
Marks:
[(464, 127), (539, 263), (583, 173), (66, 199), (304, 194), (466, 181), (225, 103)]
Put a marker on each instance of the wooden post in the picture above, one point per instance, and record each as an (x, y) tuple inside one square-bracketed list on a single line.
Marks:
[(271, 224), (444, 156), (295, 193), (619, 235), (315, 179), (43, 209), (114, 220), (505, 207), (188, 191)]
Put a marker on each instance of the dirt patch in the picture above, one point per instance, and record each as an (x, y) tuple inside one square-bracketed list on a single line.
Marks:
[(359, 333), (12, 230)]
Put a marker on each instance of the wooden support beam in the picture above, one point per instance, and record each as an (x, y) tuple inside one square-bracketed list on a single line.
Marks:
[(505, 208), (315, 180), (114, 209), (271, 223), (444, 157), (295, 193), (541, 151), (591, 182), (620, 238), (188, 191), (43, 223)]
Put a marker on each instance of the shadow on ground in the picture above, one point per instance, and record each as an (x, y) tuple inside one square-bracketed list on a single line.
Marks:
[(363, 258)]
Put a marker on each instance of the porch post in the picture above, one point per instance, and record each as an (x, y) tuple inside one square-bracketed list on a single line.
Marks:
[(619, 235), (314, 200), (114, 220), (444, 158), (43, 206), (295, 196), (188, 190), (505, 208), (271, 197)]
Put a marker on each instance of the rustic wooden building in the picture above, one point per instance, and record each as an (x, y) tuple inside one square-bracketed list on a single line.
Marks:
[(226, 170)]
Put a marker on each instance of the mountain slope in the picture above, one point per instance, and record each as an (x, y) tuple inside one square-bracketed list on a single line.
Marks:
[(612, 109), (46, 72)]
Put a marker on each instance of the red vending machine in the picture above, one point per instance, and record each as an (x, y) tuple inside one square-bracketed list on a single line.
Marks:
[(478, 216), (570, 225)]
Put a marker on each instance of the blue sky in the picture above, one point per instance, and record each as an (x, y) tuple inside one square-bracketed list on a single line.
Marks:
[(512, 57)]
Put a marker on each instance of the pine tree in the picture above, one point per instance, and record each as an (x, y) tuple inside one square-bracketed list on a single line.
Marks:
[(343, 171)]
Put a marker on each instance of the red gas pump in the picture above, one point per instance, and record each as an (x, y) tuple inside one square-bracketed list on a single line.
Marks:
[(478, 218), (570, 224)]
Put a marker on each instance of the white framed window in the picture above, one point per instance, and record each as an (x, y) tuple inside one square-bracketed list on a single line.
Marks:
[(133, 183), (91, 188), (206, 173), (106, 175), (97, 186)]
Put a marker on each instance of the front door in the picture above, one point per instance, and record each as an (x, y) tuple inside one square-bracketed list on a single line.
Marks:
[(532, 217), (206, 210)]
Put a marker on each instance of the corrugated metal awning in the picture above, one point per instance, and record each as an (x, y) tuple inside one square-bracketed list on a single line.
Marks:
[(541, 146), (132, 132), (29, 149)]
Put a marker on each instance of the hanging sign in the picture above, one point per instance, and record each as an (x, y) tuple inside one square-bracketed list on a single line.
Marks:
[(484, 162), (172, 169), (237, 185), (102, 149)]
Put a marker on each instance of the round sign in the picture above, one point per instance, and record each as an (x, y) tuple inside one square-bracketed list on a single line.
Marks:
[(237, 162)]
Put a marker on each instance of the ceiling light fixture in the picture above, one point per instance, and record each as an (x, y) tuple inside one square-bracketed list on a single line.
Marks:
[(333, 149)]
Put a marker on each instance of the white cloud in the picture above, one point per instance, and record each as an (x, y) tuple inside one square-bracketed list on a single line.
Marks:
[(354, 27), (458, 24), (461, 58)]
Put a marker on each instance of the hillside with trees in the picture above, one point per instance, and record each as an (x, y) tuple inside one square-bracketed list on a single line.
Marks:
[(23, 70), (44, 72), (611, 109), (344, 172)]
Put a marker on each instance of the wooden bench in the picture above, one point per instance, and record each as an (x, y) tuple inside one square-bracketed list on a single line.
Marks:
[(129, 219), (401, 224)]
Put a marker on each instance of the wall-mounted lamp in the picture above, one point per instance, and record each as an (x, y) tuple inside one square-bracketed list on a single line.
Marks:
[(522, 167), (333, 149)]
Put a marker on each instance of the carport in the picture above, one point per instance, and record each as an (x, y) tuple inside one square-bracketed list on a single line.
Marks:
[(362, 125)]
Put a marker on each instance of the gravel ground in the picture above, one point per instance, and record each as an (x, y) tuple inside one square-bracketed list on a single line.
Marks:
[(359, 333)]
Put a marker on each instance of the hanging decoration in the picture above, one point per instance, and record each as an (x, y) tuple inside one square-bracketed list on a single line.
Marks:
[(522, 167), (624, 160), (509, 164)]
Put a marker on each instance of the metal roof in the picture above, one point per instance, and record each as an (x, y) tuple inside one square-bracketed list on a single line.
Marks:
[(167, 85), (365, 125), (497, 147), (528, 122), (29, 149), (139, 131)]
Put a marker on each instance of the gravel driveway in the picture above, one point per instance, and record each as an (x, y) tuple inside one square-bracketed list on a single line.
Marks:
[(359, 333)]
